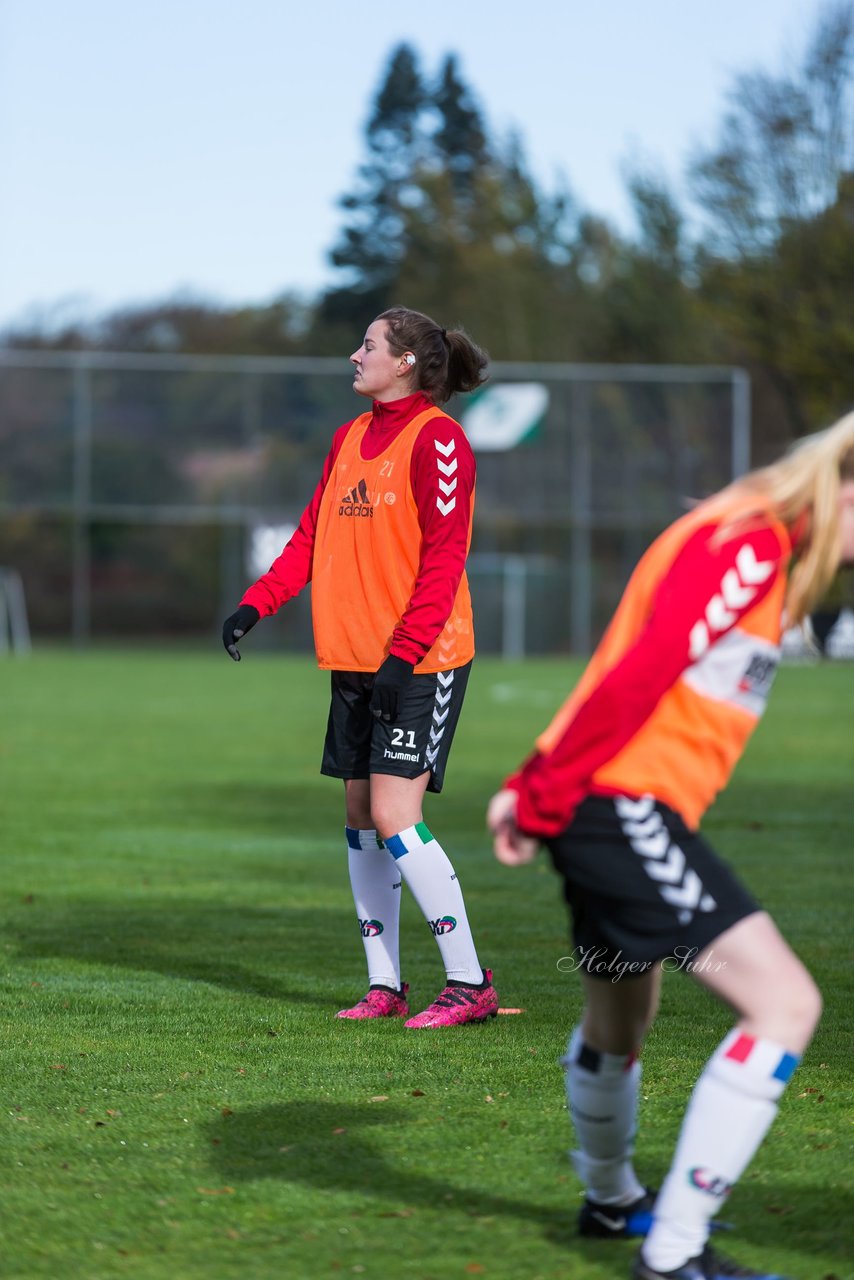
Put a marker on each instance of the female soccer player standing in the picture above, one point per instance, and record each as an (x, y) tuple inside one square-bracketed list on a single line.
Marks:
[(616, 789), (384, 542)]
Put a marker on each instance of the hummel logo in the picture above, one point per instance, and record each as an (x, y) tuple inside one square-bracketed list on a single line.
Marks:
[(356, 501)]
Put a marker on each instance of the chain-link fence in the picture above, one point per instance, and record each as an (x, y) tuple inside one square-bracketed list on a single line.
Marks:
[(134, 488)]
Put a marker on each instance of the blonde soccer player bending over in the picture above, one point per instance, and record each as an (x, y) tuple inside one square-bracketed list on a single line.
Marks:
[(616, 789)]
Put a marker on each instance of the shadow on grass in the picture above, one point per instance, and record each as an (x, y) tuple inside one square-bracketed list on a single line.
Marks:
[(329, 1146), (193, 941), (314, 806), (256, 806)]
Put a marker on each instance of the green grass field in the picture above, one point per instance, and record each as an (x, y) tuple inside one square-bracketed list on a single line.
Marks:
[(177, 930)]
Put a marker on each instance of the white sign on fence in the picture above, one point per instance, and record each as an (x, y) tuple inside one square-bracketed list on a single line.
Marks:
[(503, 415)]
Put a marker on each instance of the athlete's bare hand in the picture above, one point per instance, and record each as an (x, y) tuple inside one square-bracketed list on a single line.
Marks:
[(509, 844)]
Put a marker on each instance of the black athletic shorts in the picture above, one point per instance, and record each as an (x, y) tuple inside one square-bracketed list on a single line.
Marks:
[(642, 887), (357, 744)]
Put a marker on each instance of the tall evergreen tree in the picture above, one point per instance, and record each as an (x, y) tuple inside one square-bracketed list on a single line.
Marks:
[(460, 139), (452, 223), (372, 242)]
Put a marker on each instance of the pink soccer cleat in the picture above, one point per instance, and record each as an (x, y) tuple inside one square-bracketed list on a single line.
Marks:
[(460, 1003), (379, 1002)]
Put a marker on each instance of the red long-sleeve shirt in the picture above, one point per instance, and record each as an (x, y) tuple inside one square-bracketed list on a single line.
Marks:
[(444, 536), (677, 684)]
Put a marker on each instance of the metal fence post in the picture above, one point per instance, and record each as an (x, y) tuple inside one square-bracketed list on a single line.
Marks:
[(81, 534), (581, 548), (513, 607), (740, 422)]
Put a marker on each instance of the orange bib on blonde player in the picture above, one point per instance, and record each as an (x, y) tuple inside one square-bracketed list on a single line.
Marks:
[(686, 750), (366, 557)]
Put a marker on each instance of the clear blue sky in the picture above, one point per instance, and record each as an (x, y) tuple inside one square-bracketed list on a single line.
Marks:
[(149, 147)]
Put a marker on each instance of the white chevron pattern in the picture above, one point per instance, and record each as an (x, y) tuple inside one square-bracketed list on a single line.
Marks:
[(671, 869), (735, 594), (663, 860), (687, 895), (446, 469), (751, 570), (634, 809), (654, 846), (738, 587), (647, 827), (444, 681)]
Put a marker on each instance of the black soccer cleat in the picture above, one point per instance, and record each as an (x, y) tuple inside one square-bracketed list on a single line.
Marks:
[(615, 1221)]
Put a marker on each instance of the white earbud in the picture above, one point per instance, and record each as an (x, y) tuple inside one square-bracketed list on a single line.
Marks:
[(409, 358)]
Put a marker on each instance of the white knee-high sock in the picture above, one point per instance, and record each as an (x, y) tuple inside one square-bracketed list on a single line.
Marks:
[(602, 1092), (730, 1111), (432, 880), (375, 881)]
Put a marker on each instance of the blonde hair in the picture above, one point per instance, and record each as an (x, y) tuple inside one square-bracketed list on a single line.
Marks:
[(803, 487)]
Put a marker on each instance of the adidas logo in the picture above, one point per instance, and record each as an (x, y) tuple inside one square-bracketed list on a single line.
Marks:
[(357, 501)]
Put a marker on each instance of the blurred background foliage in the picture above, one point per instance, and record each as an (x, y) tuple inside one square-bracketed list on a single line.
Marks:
[(755, 268)]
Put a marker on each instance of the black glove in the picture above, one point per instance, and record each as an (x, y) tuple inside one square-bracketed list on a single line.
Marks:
[(235, 627), (389, 683)]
